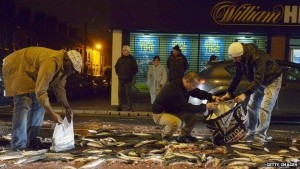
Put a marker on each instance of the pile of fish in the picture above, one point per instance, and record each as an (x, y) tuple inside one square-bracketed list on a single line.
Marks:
[(101, 145)]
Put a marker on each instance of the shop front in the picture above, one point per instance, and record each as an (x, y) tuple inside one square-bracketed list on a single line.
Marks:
[(201, 29)]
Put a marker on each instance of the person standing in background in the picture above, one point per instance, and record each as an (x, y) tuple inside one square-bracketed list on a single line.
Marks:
[(177, 64), (156, 78), (213, 58), (126, 68)]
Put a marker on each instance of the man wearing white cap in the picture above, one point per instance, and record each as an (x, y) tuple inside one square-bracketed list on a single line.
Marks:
[(265, 76), (27, 74)]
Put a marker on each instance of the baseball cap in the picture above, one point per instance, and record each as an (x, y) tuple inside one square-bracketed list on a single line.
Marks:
[(76, 59), (235, 49)]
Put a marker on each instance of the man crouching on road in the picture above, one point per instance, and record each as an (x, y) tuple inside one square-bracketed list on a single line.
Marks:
[(172, 109), (27, 74)]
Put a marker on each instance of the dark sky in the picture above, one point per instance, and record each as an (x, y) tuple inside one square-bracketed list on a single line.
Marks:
[(75, 13)]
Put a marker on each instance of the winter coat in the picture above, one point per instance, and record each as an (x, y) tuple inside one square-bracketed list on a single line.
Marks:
[(126, 67), (259, 68), (156, 78)]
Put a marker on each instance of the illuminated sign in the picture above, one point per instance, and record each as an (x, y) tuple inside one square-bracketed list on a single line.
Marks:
[(228, 13), (211, 46), (183, 43), (146, 46)]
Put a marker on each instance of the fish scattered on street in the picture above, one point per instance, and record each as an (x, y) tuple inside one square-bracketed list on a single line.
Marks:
[(145, 142), (93, 163), (30, 159)]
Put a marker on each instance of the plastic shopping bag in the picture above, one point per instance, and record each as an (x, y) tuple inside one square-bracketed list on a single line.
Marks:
[(63, 137), (227, 122)]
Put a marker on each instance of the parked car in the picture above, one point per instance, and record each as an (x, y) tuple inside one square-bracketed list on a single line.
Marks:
[(80, 86), (217, 76)]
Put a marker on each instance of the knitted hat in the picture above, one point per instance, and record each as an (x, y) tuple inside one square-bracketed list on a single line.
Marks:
[(76, 59), (235, 49), (176, 48)]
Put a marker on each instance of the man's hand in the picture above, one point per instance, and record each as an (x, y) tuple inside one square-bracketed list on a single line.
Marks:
[(240, 98), (211, 106), (56, 118), (69, 114), (227, 96), (217, 99)]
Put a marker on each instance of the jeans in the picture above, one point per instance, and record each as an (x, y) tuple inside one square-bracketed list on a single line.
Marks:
[(184, 121), (260, 107), (28, 116), (125, 88)]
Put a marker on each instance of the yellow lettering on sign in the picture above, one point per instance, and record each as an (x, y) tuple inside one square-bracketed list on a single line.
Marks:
[(228, 12), (147, 46), (212, 47)]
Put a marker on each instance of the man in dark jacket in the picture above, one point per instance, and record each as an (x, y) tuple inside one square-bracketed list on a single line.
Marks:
[(176, 64), (126, 67), (265, 76), (172, 109)]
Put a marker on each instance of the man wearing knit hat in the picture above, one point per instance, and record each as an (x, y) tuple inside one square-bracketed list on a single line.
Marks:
[(177, 64), (265, 76), (27, 74)]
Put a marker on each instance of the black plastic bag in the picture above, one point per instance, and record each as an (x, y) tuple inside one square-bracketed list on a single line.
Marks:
[(226, 123)]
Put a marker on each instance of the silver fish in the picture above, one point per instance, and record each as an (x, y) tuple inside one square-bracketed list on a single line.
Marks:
[(145, 142), (94, 144), (282, 151), (141, 134), (10, 156), (34, 153), (242, 163), (30, 159), (92, 131), (294, 148), (186, 155), (127, 158), (244, 154), (241, 146), (93, 163)]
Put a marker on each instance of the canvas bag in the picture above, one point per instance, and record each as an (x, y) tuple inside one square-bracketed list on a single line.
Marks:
[(227, 122), (63, 136)]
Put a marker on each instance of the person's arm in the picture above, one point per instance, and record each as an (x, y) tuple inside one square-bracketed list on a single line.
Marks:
[(61, 96), (134, 66), (164, 76), (182, 103), (259, 71), (235, 81), (117, 68), (185, 63), (149, 76), (201, 94), (46, 72)]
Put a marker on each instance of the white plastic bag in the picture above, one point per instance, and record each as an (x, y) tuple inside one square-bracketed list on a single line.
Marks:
[(63, 137)]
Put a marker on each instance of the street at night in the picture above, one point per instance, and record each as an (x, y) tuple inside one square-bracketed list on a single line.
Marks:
[(133, 84)]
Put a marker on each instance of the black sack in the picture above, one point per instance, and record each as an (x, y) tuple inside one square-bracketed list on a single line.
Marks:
[(227, 126)]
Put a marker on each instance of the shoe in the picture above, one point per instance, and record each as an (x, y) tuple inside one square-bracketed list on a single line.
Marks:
[(167, 138), (36, 144), (119, 108), (19, 149), (130, 109), (248, 138), (186, 139)]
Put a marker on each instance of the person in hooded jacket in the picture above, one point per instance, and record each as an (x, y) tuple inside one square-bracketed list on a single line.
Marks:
[(265, 76), (126, 68), (176, 64)]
